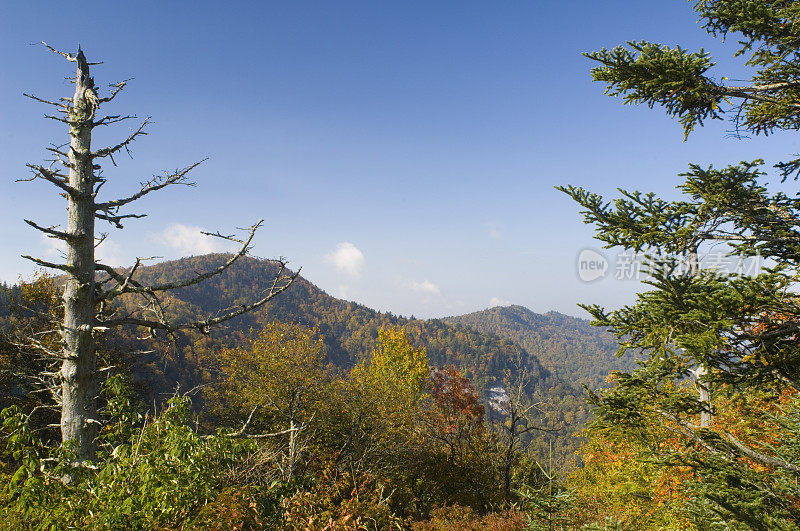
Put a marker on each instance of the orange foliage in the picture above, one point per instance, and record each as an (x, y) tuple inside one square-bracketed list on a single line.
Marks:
[(458, 518)]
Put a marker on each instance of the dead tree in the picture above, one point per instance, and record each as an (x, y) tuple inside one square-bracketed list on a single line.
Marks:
[(512, 402), (91, 287)]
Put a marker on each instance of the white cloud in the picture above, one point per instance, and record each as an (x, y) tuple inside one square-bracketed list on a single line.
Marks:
[(426, 286), (497, 301), (346, 258), (54, 248), (189, 240), (111, 253)]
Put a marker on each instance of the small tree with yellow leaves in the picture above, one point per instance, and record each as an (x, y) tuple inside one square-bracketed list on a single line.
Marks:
[(277, 379)]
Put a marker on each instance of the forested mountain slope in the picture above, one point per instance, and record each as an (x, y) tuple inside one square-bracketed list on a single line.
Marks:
[(569, 347), (349, 329), (485, 350), (560, 352)]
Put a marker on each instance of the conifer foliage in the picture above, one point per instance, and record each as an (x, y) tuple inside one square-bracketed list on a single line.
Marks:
[(714, 398)]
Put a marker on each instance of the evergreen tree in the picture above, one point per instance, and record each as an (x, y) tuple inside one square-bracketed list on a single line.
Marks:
[(720, 350)]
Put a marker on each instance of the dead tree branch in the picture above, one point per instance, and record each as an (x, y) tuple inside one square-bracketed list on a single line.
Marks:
[(53, 177), (134, 287), (117, 88), (67, 56), (154, 184), (109, 151), (51, 232), (761, 458), (116, 220), (280, 284), (52, 265), (242, 432)]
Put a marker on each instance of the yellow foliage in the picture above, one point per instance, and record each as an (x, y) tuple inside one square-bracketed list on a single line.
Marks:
[(396, 367), (41, 289), (615, 482), (278, 371)]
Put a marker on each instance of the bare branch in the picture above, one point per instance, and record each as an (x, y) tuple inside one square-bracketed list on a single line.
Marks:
[(246, 424), (58, 118), (53, 177), (110, 271), (33, 343), (129, 277), (539, 428), (276, 289), (765, 87), (101, 239), (156, 183), (238, 435), (116, 219), (118, 87), (785, 379), (112, 119), (758, 92), (67, 56), (108, 151), (62, 267), (761, 458), (133, 288), (56, 149), (241, 433), (280, 284), (687, 430), (36, 98), (51, 232)]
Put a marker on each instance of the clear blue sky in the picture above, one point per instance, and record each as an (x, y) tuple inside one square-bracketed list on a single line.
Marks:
[(403, 153)]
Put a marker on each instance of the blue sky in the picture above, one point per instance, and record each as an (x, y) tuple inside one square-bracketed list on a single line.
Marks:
[(403, 153)]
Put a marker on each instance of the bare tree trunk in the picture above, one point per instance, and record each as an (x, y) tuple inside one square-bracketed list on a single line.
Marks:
[(703, 388), (78, 370), (292, 448), (82, 297), (513, 419), (705, 397), (509, 461)]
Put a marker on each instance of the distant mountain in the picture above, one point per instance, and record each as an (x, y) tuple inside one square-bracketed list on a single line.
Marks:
[(349, 329), (569, 347), (559, 352)]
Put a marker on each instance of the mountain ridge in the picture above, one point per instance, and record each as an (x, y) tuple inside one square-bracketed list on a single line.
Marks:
[(568, 346), (350, 331)]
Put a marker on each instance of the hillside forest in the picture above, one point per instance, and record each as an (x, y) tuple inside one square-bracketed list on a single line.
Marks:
[(224, 391)]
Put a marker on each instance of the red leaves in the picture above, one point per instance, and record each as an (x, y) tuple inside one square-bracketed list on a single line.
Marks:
[(454, 395)]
